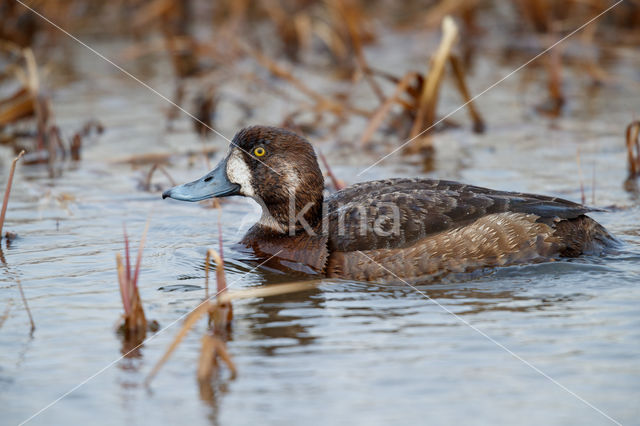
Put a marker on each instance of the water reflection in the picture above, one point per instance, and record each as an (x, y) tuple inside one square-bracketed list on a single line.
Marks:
[(290, 320), (274, 318), (633, 188), (211, 393)]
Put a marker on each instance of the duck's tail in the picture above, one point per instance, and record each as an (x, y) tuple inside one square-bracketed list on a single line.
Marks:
[(583, 235)]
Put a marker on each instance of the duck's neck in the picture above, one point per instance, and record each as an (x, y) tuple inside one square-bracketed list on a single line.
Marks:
[(293, 216)]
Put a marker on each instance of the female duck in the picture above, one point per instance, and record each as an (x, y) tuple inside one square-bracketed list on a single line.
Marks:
[(387, 229)]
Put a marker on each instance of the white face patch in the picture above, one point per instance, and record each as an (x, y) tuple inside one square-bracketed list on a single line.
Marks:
[(292, 178), (238, 172)]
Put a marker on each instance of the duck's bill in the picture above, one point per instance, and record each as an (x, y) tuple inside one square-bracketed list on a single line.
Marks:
[(213, 184)]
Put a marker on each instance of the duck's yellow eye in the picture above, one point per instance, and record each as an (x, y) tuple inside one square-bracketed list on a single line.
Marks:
[(259, 151)]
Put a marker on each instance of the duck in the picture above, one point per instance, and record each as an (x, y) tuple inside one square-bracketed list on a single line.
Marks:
[(391, 229)]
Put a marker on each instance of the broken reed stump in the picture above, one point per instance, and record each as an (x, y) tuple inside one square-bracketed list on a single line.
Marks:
[(633, 144), (221, 317), (134, 322), (7, 191)]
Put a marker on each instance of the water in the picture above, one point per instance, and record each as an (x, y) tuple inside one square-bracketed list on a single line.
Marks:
[(347, 352)]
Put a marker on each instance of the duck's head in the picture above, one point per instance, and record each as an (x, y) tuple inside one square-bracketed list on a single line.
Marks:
[(275, 167)]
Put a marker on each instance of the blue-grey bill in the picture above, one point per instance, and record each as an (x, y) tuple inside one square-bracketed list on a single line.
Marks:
[(213, 184)]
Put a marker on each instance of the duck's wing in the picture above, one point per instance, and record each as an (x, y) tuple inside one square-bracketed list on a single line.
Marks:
[(394, 213)]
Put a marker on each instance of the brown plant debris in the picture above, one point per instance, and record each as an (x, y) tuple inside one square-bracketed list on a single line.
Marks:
[(381, 113), (322, 102), (351, 15), (426, 113), (146, 186), (30, 101), (422, 92), (16, 107)]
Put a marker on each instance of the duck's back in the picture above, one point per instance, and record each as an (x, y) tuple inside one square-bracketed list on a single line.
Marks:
[(410, 228)]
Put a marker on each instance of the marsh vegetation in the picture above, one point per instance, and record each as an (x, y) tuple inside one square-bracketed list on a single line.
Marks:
[(531, 95)]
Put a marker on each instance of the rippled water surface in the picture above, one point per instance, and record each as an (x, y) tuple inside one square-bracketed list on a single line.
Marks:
[(553, 343)]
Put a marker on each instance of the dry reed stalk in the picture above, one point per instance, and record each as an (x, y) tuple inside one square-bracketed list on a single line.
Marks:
[(135, 322), (26, 306), (41, 104), (269, 290), (151, 12), (332, 40), (351, 16), (222, 316), (238, 12), (343, 30), (7, 191), (538, 13), (458, 73), (286, 27), (633, 140), (220, 276), (437, 12), (381, 113), (156, 166), (425, 116), (162, 158), (16, 107), (338, 184)]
